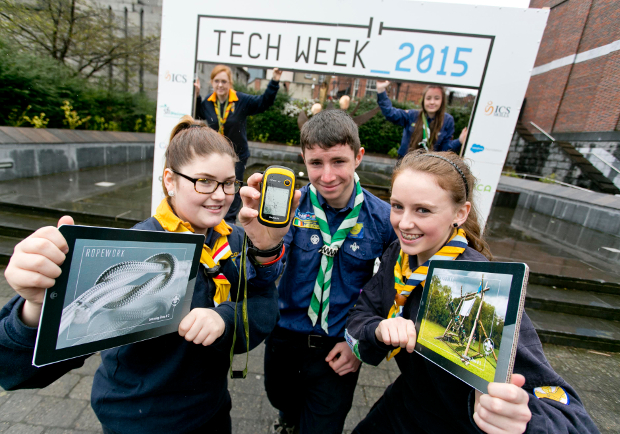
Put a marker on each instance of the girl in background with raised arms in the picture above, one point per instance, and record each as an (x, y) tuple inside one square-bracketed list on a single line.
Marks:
[(227, 110), (430, 128), (176, 382), (433, 214)]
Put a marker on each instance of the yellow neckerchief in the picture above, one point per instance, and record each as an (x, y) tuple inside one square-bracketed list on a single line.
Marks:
[(209, 257), (232, 98), (405, 280)]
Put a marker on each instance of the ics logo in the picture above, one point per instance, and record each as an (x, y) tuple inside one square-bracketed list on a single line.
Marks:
[(498, 110), (475, 148), (175, 78)]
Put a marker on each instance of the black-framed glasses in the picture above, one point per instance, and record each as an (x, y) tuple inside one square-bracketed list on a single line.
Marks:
[(208, 186)]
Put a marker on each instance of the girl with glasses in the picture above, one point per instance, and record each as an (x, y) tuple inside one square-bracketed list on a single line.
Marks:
[(176, 382)]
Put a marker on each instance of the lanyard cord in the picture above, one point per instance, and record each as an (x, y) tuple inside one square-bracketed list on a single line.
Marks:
[(246, 325)]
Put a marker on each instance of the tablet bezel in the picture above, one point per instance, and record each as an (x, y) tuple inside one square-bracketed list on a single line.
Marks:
[(510, 334), (47, 337)]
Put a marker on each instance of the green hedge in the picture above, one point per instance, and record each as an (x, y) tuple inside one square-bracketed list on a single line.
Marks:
[(43, 84), (377, 135)]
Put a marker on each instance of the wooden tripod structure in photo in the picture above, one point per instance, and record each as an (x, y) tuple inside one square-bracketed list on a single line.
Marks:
[(455, 326)]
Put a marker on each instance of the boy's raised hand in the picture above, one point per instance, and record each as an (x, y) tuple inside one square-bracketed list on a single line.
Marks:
[(35, 265), (262, 237), (202, 326), (398, 332), (504, 409)]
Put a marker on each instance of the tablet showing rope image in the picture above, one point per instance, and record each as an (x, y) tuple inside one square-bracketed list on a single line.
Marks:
[(117, 286), (107, 298)]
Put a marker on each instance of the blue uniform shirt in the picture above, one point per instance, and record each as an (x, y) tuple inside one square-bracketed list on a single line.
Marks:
[(407, 119), (353, 264)]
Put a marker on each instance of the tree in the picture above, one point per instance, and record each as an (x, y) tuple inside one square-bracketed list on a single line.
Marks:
[(76, 33)]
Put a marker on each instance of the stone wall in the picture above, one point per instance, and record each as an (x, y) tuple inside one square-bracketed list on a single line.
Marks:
[(543, 159), (27, 152)]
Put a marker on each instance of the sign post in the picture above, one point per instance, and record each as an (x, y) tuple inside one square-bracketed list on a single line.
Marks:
[(487, 49)]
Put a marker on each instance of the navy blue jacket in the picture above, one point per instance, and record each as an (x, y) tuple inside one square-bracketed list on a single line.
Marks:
[(407, 120), (353, 264), (235, 126), (160, 385), (434, 399)]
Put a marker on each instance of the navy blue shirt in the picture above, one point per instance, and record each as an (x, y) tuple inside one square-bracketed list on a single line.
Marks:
[(407, 119), (353, 264)]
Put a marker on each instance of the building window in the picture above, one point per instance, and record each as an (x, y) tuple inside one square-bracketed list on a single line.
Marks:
[(371, 86), (356, 87), (321, 78)]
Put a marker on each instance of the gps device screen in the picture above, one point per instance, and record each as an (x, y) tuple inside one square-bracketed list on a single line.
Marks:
[(276, 201)]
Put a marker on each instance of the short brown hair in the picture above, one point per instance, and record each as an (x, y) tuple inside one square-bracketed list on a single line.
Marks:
[(190, 138), (222, 68), (330, 128), (449, 178)]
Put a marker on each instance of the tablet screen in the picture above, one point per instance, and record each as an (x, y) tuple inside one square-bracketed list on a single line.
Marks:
[(117, 286), (467, 322)]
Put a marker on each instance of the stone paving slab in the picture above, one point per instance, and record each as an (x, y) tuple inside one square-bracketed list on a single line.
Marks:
[(64, 406)]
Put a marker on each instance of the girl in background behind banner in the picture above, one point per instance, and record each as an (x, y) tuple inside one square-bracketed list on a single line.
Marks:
[(430, 128), (433, 215), (176, 382)]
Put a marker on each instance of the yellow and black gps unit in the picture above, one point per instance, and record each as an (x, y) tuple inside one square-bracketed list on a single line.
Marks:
[(277, 191)]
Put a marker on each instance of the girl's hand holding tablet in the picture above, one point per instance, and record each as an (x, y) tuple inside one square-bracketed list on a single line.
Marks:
[(35, 265), (504, 409)]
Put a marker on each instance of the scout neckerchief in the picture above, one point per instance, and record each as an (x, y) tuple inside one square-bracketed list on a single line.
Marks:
[(405, 280), (331, 244), (209, 257), (426, 132), (230, 106)]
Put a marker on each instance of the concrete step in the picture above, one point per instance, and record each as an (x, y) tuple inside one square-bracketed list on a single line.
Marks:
[(53, 214), (576, 331), (574, 302), (19, 221), (22, 225), (7, 244)]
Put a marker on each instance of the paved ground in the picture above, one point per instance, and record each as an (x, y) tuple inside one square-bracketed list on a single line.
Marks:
[(64, 406)]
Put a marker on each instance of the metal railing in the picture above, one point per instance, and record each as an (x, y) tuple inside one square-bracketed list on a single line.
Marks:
[(615, 169), (542, 131), (525, 175)]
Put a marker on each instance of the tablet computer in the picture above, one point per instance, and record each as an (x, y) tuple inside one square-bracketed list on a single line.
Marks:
[(469, 318), (117, 286)]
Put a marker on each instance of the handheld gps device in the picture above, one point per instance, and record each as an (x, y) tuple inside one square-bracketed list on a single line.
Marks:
[(277, 191)]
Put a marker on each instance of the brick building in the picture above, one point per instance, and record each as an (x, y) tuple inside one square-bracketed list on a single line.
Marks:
[(574, 91), (574, 96)]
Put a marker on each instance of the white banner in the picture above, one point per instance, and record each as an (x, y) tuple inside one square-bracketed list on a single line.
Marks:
[(484, 48)]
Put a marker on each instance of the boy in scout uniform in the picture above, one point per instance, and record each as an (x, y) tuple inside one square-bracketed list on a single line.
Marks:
[(338, 232)]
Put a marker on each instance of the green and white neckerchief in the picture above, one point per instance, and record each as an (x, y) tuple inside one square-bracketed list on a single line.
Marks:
[(426, 132), (331, 244)]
